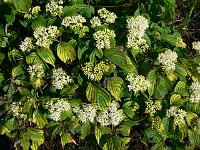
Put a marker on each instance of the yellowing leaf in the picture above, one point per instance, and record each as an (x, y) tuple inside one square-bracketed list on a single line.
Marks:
[(47, 56), (97, 94), (66, 52), (114, 86)]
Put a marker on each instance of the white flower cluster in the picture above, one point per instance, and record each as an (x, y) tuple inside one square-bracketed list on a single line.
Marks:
[(157, 124), (137, 83), (56, 108), (60, 78), (95, 22), (109, 17), (195, 95), (180, 43), (45, 36), (178, 115), (168, 59), (76, 24), (95, 72), (36, 70), (196, 46), (111, 115), (55, 7), (86, 113), (33, 13), (136, 28), (152, 107), (16, 108), (27, 45), (103, 37), (198, 68)]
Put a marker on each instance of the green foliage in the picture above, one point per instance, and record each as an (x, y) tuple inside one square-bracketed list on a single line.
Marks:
[(81, 83)]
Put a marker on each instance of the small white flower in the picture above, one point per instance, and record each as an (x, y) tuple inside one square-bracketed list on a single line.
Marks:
[(198, 68), (95, 72), (178, 115), (71, 21), (35, 10), (56, 108), (95, 21), (86, 113), (27, 45), (111, 115), (36, 70), (168, 59), (17, 110), (152, 107), (195, 95), (102, 38), (55, 8), (137, 83), (136, 28), (196, 46), (108, 16), (45, 36), (60, 78)]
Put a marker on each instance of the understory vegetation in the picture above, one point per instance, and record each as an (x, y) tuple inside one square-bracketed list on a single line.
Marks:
[(100, 74)]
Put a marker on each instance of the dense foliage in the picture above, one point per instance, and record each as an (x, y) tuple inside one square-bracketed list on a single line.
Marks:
[(84, 75)]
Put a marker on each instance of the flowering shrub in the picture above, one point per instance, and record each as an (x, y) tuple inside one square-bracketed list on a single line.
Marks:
[(87, 77)]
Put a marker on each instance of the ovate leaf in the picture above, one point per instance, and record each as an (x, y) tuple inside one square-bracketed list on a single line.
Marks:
[(116, 56), (33, 58), (39, 119), (66, 52), (114, 86), (85, 130), (17, 71), (47, 56), (97, 94), (176, 99), (22, 6), (38, 22), (66, 138)]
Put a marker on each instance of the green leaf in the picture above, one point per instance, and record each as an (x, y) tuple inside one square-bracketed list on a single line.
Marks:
[(158, 146), (114, 86), (10, 18), (1, 78), (180, 88), (22, 6), (96, 94), (38, 22), (193, 137), (176, 100), (126, 126), (81, 51), (152, 77), (113, 143), (153, 135), (169, 9), (66, 52), (116, 56), (99, 132), (85, 130), (47, 56), (190, 117), (11, 124), (17, 71), (25, 141), (66, 138), (76, 9), (33, 58), (37, 137), (182, 71), (39, 119)]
